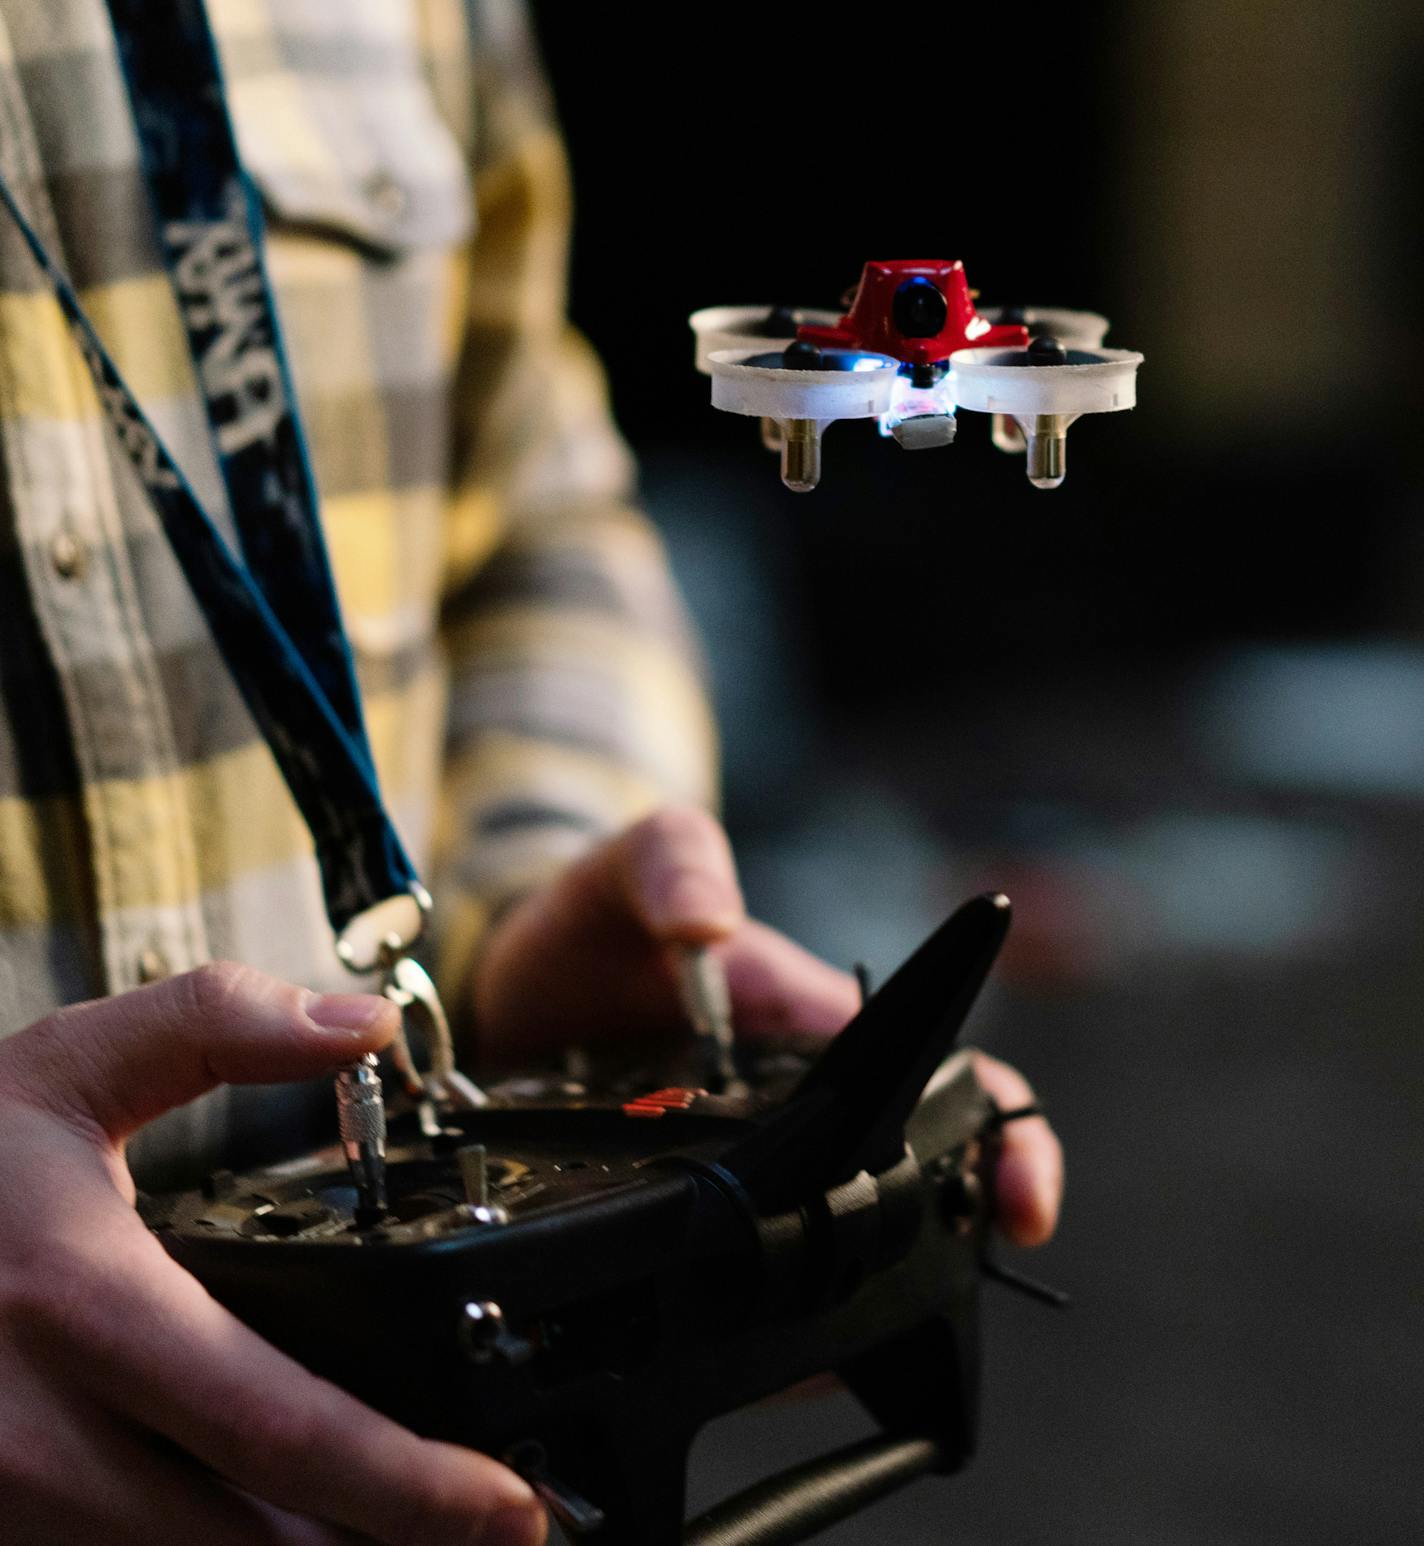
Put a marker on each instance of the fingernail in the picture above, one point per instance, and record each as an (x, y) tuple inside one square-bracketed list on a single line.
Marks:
[(349, 1012), (688, 897), (515, 1524)]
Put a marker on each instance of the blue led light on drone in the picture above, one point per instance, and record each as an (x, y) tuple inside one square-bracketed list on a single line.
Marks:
[(910, 402)]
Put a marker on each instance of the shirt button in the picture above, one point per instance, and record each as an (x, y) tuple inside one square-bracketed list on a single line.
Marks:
[(153, 966), (388, 198), (67, 555)]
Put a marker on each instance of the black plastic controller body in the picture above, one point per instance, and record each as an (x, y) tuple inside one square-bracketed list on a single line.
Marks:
[(645, 1264)]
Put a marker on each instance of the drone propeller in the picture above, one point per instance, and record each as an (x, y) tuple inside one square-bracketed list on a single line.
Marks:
[(1072, 329), (1044, 388), (803, 388), (749, 327)]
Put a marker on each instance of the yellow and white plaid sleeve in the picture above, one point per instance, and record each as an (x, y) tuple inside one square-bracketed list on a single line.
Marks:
[(576, 699)]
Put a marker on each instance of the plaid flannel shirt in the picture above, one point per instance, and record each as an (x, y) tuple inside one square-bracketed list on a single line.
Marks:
[(529, 678)]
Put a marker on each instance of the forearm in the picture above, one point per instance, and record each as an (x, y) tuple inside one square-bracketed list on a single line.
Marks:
[(576, 701), (576, 706)]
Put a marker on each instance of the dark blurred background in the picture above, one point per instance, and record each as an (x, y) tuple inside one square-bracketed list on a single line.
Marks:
[(1175, 708)]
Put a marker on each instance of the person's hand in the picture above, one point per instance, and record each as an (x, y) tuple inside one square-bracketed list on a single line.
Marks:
[(134, 1410), (589, 956)]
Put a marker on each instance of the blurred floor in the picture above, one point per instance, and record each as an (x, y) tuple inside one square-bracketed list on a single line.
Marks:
[(1216, 983)]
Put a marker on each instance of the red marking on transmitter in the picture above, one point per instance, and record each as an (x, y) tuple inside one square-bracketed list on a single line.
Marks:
[(674, 1098)]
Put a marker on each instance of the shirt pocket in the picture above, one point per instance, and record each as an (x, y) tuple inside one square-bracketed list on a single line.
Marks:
[(349, 143)]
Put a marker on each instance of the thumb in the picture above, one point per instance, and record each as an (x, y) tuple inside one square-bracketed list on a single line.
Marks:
[(122, 1061), (674, 869)]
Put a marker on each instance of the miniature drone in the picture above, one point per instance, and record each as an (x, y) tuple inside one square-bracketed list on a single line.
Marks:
[(910, 351)]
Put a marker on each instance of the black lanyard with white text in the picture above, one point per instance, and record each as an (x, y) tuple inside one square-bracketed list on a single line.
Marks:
[(209, 226), (273, 612)]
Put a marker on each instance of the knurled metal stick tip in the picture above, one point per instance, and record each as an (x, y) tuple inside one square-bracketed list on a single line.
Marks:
[(707, 1002), (361, 1121), (474, 1173)]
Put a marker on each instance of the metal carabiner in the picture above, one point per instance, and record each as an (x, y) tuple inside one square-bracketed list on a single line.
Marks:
[(408, 986)]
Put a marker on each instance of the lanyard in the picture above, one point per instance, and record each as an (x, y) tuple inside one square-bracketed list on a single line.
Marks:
[(273, 612), (209, 223)]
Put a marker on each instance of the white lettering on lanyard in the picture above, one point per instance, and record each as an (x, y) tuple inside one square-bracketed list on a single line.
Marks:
[(220, 289)]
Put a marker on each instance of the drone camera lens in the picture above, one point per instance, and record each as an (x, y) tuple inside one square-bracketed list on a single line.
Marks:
[(920, 310)]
